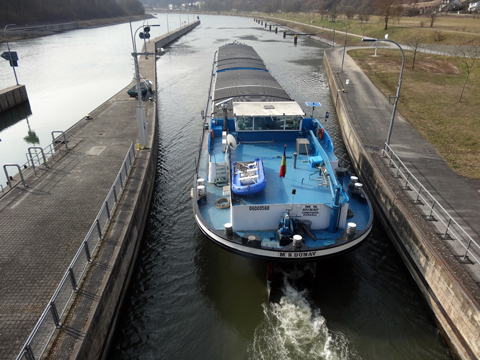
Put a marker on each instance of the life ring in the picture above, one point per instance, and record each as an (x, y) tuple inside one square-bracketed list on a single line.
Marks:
[(321, 133), (211, 132), (222, 203)]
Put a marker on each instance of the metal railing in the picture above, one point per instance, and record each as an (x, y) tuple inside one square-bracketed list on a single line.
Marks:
[(37, 156), (50, 320), (448, 227)]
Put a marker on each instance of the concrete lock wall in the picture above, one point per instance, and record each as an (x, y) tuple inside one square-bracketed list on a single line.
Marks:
[(102, 325), (172, 36), (12, 96), (440, 277)]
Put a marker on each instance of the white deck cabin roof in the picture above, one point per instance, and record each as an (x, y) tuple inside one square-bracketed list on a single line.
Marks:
[(274, 108)]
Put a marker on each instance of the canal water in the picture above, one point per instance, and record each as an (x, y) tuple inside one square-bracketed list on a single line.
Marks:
[(189, 299)]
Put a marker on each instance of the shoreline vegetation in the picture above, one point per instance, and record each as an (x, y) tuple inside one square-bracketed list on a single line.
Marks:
[(82, 24)]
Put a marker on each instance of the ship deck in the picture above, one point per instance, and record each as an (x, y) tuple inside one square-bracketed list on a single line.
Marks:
[(303, 178)]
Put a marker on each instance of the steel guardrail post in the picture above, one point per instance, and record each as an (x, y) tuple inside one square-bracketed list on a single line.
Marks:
[(72, 279), (29, 353), (64, 137), (108, 210), (405, 187), (87, 252), (417, 201), (467, 251), (8, 178), (430, 217), (446, 230), (31, 157), (115, 194), (99, 229), (56, 318)]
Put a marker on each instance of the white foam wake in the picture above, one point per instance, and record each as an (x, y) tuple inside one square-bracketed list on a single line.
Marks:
[(293, 330)]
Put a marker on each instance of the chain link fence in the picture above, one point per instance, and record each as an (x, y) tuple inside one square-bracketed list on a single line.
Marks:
[(49, 321)]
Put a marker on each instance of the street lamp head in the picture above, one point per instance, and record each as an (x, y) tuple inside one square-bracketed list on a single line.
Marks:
[(371, 40)]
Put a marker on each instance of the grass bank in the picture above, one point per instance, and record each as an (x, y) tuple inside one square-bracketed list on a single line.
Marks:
[(429, 101)]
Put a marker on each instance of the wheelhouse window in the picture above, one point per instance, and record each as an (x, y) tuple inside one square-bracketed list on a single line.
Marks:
[(244, 123), (262, 123)]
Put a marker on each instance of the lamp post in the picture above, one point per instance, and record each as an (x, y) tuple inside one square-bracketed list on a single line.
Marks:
[(141, 121), (9, 53), (345, 43), (398, 89)]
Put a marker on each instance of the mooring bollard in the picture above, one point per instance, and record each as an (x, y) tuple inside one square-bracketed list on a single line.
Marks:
[(284, 34), (276, 29), (295, 39)]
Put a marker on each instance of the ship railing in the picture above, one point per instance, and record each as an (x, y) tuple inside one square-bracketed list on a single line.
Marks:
[(333, 183), (447, 227), (59, 304), (207, 114)]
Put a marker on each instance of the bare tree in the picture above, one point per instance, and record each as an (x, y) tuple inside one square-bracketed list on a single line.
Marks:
[(398, 12), (363, 14), (334, 11), (414, 44), (349, 12), (385, 9), (433, 16), (468, 55), (322, 9)]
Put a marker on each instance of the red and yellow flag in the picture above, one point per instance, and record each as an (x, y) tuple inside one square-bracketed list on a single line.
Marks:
[(283, 166)]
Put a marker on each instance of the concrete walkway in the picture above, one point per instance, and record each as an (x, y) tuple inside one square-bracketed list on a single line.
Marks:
[(372, 111)]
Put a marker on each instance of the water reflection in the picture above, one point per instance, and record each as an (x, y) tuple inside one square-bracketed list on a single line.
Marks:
[(32, 137), (14, 115)]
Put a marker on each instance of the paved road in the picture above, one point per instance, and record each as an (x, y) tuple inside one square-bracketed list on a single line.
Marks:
[(458, 195)]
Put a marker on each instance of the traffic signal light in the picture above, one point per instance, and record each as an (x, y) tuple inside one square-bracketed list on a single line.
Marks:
[(146, 33)]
